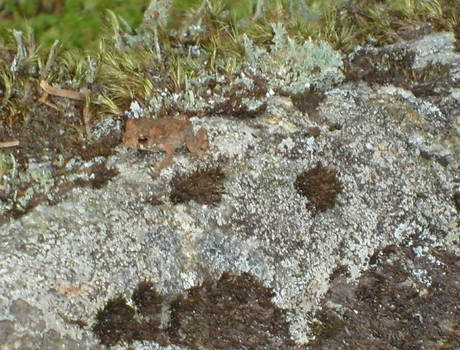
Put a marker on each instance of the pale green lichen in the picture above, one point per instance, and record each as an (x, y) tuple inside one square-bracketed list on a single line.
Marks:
[(286, 67), (294, 68), (24, 186)]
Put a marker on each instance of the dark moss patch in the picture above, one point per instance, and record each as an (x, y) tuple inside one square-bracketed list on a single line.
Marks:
[(102, 147), (457, 37), (119, 323), (95, 176), (154, 201), (400, 292), (204, 186), (102, 175), (456, 199), (235, 99), (19, 210), (115, 322), (234, 312), (339, 271), (99, 176), (326, 325), (147, 299), (320, 185), (308, 101), (394, 66), (335, 127), (313, 132)]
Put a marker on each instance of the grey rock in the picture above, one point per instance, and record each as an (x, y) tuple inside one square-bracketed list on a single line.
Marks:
[(26, 315), (6, 329)]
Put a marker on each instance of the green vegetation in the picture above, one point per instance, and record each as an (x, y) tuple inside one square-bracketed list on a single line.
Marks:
[(74, 23), (342, 23)]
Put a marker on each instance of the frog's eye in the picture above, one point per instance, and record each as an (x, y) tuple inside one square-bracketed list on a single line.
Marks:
[(142, 140)]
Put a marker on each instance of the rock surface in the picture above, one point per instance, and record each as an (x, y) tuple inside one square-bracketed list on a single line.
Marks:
[(394, 154)]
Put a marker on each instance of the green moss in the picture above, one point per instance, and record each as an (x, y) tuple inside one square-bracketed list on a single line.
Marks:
[(320, 185), (75, 23), (342, 23), (226, 55)]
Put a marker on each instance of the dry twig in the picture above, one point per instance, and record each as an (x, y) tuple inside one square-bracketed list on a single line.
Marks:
[(7, 144), (49, 90)]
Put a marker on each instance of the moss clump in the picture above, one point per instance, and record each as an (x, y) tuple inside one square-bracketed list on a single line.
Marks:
[(326, 325), (102, 147), (394, 67), (204, 186), (308, 101), (351, 23), (456, 199), (234, 312), (116, 322), (119, 322), (99, 176), (401, 290), (320, 185), (147, 299), (149, 310)]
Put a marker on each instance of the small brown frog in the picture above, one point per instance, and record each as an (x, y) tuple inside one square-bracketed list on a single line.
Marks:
[(166, 134)]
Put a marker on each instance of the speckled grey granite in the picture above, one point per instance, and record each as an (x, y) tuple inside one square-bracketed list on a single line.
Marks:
[(61, 263)]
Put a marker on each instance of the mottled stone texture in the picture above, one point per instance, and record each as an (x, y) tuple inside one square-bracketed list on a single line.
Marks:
[(384, 255), (403, 301)]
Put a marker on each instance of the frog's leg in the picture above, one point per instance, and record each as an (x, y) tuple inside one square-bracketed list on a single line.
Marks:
[(169, 149)]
